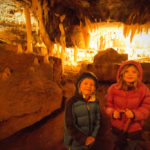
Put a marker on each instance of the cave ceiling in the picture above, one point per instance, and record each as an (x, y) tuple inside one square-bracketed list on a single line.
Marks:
[(48, 14)]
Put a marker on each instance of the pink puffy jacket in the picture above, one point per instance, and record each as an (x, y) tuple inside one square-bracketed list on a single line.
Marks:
[(138, 102)]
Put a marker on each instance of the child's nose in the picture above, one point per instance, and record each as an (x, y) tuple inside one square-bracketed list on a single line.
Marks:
[(89, 85)]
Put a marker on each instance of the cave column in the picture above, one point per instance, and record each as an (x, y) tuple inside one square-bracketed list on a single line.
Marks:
[(29, 30)]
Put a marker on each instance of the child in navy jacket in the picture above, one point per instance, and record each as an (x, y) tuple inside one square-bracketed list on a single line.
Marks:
[(82, 114)]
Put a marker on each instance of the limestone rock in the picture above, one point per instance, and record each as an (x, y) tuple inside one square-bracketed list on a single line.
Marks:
[(57, 69), (105, 65), (109, 56), (26, 96), (68, 88)]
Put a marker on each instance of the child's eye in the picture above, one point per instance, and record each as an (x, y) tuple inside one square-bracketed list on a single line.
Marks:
[(134, 72)]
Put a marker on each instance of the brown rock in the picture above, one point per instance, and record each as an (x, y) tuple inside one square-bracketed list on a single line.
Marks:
[(68, 88), (109, 56), (26, 96)]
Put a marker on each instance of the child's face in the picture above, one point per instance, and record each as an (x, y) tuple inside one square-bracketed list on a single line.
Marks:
[(87, 87), (130, 75)]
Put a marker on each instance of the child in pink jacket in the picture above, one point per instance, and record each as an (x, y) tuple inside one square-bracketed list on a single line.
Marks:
[(128, 105)]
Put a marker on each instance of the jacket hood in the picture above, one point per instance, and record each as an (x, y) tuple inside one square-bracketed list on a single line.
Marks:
[(84, 75), (136, 64)]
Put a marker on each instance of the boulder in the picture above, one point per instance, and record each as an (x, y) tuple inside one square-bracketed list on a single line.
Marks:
[(109, 56), (27, 91), (105, 65)]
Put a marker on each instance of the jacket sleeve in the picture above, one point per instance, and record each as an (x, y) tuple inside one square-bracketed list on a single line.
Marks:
[(75, 133), (143, 111), (109, 105), (97, 124)]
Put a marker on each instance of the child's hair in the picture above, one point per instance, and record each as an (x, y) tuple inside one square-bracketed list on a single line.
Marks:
[(122, 84)]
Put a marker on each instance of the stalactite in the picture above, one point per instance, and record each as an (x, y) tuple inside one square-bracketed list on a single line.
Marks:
[(62, 40), (52, 3), (88, 22), (126, 30), (133, 30), (138, 28), (141, 28), (147, 26), (86, 36), (45, 12), (85, 32), (29, 30), (44, 35), (62, 37)]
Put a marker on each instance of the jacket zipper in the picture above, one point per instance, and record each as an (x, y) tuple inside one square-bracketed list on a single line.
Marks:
[(88, 108)]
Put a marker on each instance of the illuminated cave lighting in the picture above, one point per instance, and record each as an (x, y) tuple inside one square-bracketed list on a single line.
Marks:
[(110, 35)]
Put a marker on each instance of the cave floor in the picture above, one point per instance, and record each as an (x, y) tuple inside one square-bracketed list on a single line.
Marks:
[(48, 135), (49, 132)]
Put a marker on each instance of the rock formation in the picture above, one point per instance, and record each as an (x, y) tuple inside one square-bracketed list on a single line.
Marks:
[(27, 91)]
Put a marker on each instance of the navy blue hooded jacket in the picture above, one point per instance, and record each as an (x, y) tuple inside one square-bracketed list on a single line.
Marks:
[(82, 119)]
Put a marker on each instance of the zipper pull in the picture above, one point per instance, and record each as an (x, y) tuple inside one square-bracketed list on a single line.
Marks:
[(87, 106)]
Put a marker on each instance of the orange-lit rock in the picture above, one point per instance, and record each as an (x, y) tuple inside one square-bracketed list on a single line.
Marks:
[(28, 92), (109, 56), (105, 64)]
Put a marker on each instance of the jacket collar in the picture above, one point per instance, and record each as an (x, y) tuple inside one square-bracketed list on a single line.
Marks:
[(82, 97)]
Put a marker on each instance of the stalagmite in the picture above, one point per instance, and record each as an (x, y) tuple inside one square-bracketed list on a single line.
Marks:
[(36, 61), (46, 59), (44, 51), (29, 30), (32, 69), (20, 49), (6, 74)]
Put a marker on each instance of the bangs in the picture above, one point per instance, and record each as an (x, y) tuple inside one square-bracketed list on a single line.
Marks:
[(122, 84)]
